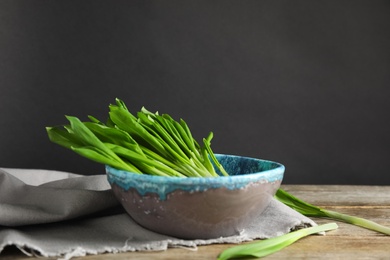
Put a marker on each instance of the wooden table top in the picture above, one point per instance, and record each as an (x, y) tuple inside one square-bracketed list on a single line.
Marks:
[(347, 242)]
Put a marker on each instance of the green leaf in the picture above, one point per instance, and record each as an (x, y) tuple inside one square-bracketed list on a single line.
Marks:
[(165, 138), (207, 145), (99, 156), (95, 120), (121, 104), (310, 210), (188, 133), (63, 137), (110, 134), (125, 121), (299, 205), (186, 136), (269, 246), (146, 164)]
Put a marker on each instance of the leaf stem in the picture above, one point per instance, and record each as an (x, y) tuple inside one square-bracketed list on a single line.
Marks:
[(357, 221), (314, 211)]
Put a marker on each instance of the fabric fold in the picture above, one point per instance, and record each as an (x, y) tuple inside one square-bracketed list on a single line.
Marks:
[(72, 215), (59, 200)]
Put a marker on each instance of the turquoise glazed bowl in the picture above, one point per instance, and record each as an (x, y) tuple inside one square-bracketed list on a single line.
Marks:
[(199, 208)]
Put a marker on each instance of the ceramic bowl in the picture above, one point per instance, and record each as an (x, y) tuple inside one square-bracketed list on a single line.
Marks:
[(199, 208)]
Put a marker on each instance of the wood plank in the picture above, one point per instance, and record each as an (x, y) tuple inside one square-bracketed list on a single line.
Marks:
[(344, 195)]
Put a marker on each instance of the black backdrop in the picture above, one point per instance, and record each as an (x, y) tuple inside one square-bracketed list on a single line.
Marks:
[(304, 83)]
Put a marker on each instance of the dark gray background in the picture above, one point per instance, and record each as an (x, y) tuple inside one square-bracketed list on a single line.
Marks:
[(304, 83)]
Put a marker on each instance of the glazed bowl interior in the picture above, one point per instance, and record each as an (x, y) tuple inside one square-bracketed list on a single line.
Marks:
[(199, 208)]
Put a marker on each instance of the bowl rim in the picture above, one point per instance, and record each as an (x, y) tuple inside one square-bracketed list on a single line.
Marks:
[(265, 173), (162, 185)]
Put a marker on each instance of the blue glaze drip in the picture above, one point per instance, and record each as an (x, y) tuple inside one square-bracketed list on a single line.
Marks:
[(242, 170)]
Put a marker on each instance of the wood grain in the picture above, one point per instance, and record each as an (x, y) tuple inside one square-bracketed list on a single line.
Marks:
[(347, 242)]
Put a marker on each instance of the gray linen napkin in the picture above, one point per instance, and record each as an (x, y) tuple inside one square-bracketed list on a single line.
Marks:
[(60, 214)]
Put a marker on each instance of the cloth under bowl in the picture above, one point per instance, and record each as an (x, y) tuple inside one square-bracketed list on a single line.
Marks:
[(65, 215)]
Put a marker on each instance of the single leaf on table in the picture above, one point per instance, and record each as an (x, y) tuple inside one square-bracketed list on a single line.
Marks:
[(271, 245), (310, 210)]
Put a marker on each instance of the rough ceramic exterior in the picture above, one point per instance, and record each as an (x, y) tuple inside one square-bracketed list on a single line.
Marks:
[(199, 207)]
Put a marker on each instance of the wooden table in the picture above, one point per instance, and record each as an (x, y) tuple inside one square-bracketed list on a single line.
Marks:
[(347, 242)]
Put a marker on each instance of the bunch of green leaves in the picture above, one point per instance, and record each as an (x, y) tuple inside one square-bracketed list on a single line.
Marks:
[(146, 143)]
